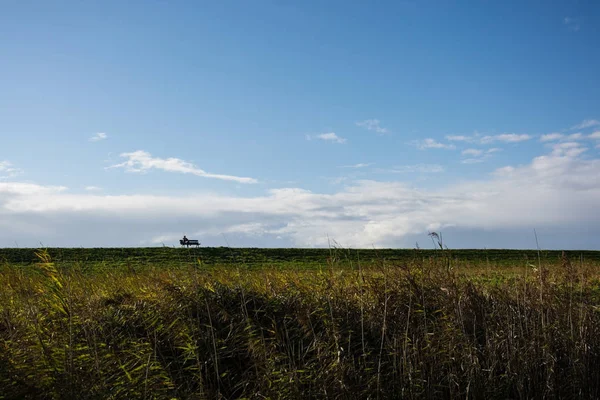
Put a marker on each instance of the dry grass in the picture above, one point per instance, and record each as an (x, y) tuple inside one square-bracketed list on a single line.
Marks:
[(428, 329)]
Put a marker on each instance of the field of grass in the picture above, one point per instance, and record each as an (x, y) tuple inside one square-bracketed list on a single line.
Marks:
[(225, 323), (279, 258)]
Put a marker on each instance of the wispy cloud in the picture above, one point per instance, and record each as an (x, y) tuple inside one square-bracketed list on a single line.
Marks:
[(141, 161), (595, 135), (328, 137), (415, 168), (7, 170), (98, 137), (430, 143), (575, 136), (572, 23), (478, 155), (460, 138), (359, 165), (472, 160), (553, 137), (506, 138), (472, 152), (586, 123), (93, 188), (515, 138), (550, 137), (372, 125), (568, 149), (476, 138)]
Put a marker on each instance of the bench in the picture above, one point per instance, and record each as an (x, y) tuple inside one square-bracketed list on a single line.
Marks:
[(190, 243)]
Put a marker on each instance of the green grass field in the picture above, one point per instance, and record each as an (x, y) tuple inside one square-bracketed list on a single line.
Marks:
[(282, 258), (226, 323)]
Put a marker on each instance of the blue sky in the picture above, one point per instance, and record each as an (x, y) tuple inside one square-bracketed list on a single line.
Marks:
[(288, 123)]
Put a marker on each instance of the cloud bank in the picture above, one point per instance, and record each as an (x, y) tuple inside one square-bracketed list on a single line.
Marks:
[(558, 190)]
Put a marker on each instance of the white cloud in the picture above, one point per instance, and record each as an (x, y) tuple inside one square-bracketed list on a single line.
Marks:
[(586, 123), (337, 180), (595, 135), (98, 137), (93, 188), (556, 191), (506, 138), (331, 137), (459, 138), (372, 125), (432, 144), (472, 152), (359, 165), (412, 169), (516, 138), (7, 170), (568, 149), (472, 160), (142, 161), (478, 155), (28, 189), (553, 137), (476, 138), (550, 137)]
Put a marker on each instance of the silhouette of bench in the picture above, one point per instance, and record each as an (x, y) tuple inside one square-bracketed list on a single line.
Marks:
[(190, 243)]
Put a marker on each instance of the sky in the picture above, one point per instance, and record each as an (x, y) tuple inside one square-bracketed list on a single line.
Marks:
[(300, 123)]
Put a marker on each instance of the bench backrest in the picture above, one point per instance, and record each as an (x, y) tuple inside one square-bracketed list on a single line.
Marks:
[(192, 241)]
